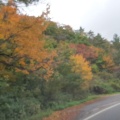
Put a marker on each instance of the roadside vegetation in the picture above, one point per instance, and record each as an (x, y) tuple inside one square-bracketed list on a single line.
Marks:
[(46, 66)]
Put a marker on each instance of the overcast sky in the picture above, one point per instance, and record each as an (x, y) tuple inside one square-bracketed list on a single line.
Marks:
[(100, 16)]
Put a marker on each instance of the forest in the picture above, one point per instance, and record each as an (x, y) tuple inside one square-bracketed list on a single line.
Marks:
[(45, 65)]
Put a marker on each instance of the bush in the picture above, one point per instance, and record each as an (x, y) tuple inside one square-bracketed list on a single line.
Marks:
[(101, 86), (116, 85), (105, 76), (18, 109), (103, 89)]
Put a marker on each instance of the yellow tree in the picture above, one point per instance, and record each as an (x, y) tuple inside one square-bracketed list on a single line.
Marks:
[(108, 62), (22, 42), (81, 67)]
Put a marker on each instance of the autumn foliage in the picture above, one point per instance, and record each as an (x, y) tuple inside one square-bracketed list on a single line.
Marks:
[(47, 66), (81, 66), (88, 52), (22, 41), (108, 62)]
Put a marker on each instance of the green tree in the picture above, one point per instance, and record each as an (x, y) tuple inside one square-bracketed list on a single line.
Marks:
[(59, 32), (90, 36), (116, 49), (100, 42), (80, 37), (116, 42)]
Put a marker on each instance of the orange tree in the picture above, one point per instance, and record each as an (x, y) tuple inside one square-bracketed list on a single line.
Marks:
[(22, 42)]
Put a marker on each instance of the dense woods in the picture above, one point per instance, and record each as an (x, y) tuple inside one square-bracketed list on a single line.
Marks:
[(44, 64)]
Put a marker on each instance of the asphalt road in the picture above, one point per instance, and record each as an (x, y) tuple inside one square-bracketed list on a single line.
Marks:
[(104, 109)]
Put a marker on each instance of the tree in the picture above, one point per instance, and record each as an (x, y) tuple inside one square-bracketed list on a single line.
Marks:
[(81, 66), (82, 31), (59, 32), (116, 42), (80, 37), (108, 62), (90, 36), (22, 42), (116, 49), (100, 42)]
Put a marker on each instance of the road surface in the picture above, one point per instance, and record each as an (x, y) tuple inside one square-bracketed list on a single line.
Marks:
[(104, 109)]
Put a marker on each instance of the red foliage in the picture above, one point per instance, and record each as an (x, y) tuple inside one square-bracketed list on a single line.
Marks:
[(87, 52)]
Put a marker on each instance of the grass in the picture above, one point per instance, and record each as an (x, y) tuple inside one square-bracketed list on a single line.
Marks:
[(41, 115), (72, 103)]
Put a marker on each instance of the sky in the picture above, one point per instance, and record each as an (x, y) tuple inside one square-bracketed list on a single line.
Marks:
[(100, 16)]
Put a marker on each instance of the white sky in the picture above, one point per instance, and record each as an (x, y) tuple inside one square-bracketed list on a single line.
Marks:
[(100, 16)]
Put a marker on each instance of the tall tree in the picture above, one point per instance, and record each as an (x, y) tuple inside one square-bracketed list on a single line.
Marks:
[(22, 42), (116, 42), (116, 49), (90, 36)]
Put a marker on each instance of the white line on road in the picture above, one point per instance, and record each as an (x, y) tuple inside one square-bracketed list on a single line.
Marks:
[(101, 111)]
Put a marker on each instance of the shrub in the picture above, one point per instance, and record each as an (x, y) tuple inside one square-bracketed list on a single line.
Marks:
[(18, 109)]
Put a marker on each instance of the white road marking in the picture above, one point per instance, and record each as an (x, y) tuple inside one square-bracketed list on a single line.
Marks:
[(101, 111)]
